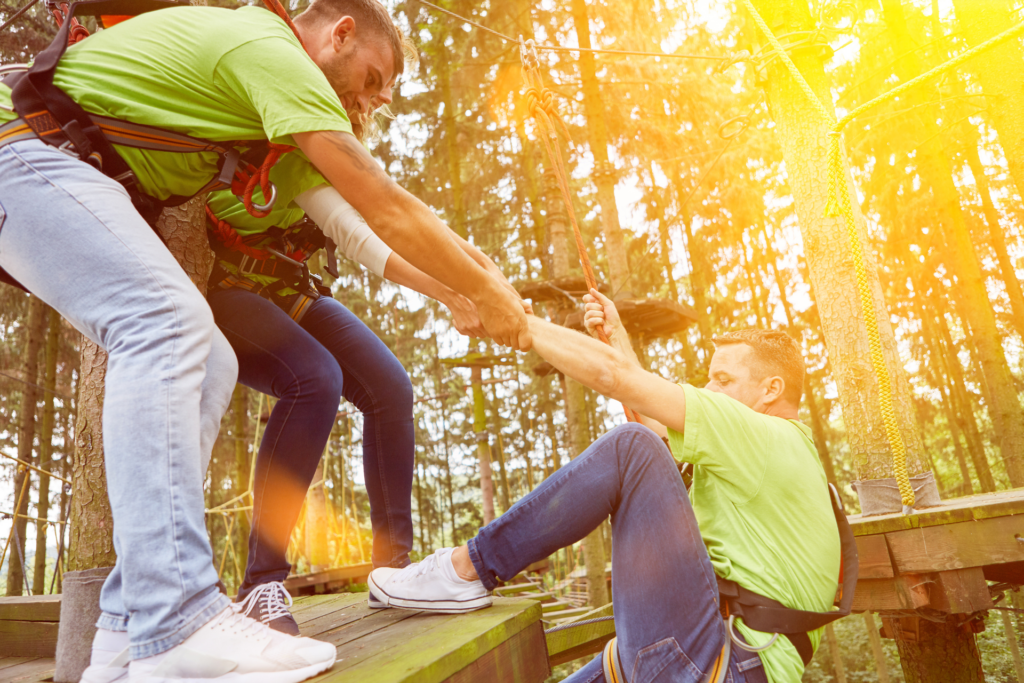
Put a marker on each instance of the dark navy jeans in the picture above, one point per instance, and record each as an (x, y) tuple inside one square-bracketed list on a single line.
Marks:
[(308, 366), (663, 586)]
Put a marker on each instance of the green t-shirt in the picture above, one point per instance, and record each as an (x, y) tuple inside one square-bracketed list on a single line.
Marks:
[(762, 503), (292, 175), (209, 72)]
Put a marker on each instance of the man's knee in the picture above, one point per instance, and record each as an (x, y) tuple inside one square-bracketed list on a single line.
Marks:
[(639, 443)]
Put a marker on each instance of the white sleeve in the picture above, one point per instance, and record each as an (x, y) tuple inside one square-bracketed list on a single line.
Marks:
[(343, 224)]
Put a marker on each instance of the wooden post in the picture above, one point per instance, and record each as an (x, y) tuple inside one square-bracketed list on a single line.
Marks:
[(1011, 642), (876, 648), (316, 523), (938, 652), (240, 478), (483, 446), (837, 657)]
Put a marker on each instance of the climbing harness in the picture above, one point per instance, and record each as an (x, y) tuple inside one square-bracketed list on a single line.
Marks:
[(281, 253), (764, 614), (541, 105), (839, 204), (47, 113)]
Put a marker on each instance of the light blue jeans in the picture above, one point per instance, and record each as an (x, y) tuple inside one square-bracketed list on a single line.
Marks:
[(71, 236)]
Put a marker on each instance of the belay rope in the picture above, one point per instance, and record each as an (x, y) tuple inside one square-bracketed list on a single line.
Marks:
[(540, 102), (839, 204)]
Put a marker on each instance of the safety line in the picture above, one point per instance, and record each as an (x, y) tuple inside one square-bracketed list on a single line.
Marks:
[(558, 48), (33, 467), (33, 384)]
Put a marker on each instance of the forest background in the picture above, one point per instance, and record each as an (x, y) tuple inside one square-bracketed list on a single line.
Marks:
[(707, 220)]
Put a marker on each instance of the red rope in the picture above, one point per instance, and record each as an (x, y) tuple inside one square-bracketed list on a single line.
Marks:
[(540, 103), (262, 179), (276, 7), (230, 238)]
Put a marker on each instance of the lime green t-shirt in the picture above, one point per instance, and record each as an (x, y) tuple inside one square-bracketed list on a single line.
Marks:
[(761, 501), (292, 175), (212, 73)]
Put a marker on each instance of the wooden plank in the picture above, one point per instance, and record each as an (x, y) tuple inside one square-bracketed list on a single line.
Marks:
[(11, 661), (30, 608), (355, 573), (29, 672), (568, 644), (961, 591), (873, 557), (369, 621), (969, 508), (332, 604), (335, 620), (958, 546), (901, 593), (28, 638), (523, 658), (431, 648)]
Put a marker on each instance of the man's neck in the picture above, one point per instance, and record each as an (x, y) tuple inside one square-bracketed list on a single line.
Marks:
[(783, 410)]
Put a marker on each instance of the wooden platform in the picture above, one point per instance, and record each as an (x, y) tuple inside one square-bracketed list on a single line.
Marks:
[(501, 644), (941, 558)]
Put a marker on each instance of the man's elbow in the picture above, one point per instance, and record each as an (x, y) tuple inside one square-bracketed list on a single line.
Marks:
[(612, 376)]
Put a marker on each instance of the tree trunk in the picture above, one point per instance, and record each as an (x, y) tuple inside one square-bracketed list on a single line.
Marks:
[(458, 221), (35, 331), (575, 400), (91, 541), (316, 523), (938, 651), (803, 136), (499, 424), (996, 238), (46, 450), (483, 446), (960, 256), (1000, 73), (240, 474), (604, 171), (876, 648)]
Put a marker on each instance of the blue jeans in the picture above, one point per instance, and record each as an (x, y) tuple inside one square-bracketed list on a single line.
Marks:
[(70, 234), (309, 366), (663, 586)]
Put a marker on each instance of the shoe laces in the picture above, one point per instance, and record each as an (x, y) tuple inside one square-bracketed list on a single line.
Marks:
[(233, 621), (426, 566), (273, 600)]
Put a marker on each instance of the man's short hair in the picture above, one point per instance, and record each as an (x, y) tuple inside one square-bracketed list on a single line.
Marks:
[(774, 354), (369, 14)]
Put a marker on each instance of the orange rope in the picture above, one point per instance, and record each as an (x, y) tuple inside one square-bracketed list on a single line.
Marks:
[(541, 105), (262, 179), (230, 238), (275, 7)]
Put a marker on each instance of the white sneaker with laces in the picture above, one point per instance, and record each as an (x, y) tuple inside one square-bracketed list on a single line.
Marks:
[(269, 603), (233, 648), (431, 585), (109, 659)]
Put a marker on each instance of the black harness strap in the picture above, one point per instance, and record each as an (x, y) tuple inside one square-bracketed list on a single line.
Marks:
[(771, 616)]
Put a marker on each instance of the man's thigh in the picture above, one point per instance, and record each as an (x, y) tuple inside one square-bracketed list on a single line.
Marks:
[(664, 587)]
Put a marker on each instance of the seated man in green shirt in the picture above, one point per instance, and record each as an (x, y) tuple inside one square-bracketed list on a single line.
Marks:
[(757, 513), (206, 84)]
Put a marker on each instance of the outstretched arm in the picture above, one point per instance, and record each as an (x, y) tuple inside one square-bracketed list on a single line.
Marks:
[(608, 371), (464, 315), (412, 230)]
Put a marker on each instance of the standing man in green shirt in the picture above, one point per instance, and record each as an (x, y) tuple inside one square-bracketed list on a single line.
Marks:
[(757, 513), (70, 234)]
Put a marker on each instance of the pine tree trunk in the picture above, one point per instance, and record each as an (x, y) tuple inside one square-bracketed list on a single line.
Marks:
[(1000, 72), (91, 541), (803, 136), (939, 652), (960, 256), (483, 446), (46, 450), (458, 221), (35, 331), (316, 523), (604, 172)]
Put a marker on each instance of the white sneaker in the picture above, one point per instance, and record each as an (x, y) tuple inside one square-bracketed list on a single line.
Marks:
[(431, 585), (109, 659), (232, 648), (374, 603)]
